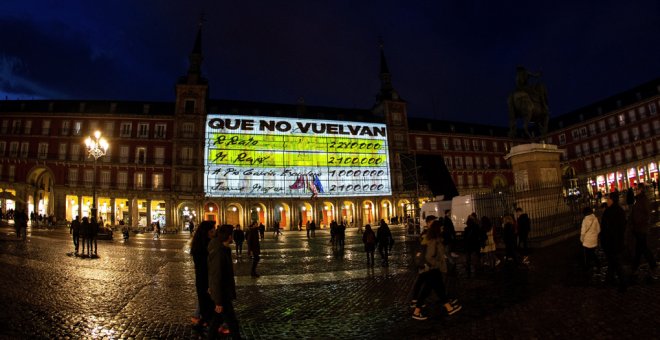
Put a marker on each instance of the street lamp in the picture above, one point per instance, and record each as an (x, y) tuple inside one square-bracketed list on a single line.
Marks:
[(96, 147)]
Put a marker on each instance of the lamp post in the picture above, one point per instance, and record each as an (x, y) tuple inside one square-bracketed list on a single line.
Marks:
[(96, 147)]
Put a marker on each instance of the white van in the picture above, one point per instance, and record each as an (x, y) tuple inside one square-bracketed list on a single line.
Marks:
[(435, 208), (461, 208)]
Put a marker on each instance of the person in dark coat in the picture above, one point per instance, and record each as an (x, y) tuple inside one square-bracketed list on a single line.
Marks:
[(239, 238), (509, 237), (341, 235), (630, 197), (524, 227), (448, 232), (85, 230), (472, 242), (640, 217), (92, 236), (262, 230), (612, 230), (199, 252), (369, 240), (254, 247), (222, 284), (385, 242), (75, 231)]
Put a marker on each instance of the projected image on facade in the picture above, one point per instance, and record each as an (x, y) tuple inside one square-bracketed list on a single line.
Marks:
[(275, 156)]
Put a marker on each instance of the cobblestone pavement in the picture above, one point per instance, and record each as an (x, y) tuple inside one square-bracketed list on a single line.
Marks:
[(145, 289)]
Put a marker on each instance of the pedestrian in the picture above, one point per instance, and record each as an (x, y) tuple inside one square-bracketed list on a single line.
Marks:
[(630, 197), (154, 226), (431, 273), (191, 227), (509, 237), (254, 247), (222, 284), (640, 217), (472, 243), (333, 234), (93, 235), (369, 240), (385, 242), (85, 230), (239, 238), (488, 247), (589, 239), (262, 230), (312, 227), (448, 233), (200, 253), (75, 231), (524, 227), (308, 228), (612, 231), (419, 259), (341, 234), (276, 230), (20, 224)]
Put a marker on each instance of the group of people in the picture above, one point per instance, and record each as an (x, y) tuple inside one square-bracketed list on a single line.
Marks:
[(88, 230), (609, 231), (381, 238), (337, 235)]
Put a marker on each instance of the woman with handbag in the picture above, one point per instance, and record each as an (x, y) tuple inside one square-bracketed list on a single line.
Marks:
[(435, 264)]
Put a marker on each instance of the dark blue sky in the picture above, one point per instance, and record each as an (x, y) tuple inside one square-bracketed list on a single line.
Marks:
[(449, 59)]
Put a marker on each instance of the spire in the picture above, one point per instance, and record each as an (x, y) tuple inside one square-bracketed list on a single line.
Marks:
[(195, 57), (386, 89)]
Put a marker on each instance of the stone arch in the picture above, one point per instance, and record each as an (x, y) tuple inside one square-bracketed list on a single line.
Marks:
[(257, 212), (386, 210), (499, 182), (282, 215), (186, 213), (41, 199), (234, 214), (369, 212)]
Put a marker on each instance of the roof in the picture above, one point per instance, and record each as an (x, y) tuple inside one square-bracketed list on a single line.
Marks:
[(445, 126)]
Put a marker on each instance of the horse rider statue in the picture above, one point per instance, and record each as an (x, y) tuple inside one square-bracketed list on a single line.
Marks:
[(529, 101)]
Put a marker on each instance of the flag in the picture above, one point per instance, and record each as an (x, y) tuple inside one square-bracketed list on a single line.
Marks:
[(312, 187), (317, 184), (298, 184)]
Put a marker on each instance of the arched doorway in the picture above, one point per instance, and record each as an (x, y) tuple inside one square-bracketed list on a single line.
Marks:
[(386, 211), (187, 214), (258, 213), (306, 213), (40, 192), (406, 209), (211, 212), (233, 214), (499, 182), (369, 212), (281, 215), (328, 214), (348, 213)]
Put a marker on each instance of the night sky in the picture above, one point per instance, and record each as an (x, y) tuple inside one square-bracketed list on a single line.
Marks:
[(450, 60)]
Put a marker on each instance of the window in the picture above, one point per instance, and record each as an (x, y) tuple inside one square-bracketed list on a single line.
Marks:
[(632, 116), (601, 126), (608, 160), (123, 154), (62, 151), (25, 149), (583, 132), (575, 134), (642, 112), (189, 106), (578, 150), (477, 162), (587, 164), (646, 130), (467, 144), (109, 128), (186, 155), (5, 126), (656, 126), (398, 140), (595, 146), (649, 148), (73, 176), (141, 155), (497, 162), (615, 139), (77, 128), (433, 143), (396, 118), (75, 152), (12, 172), (143, 130), (42, 153), (16, 127), (653, 109), (3, 146), (611, 121), (592, 129), (45, 127), (457, 144), (460, 180), (108, 156), (159, 155), (562, 139), (105, 178), (448, 162), (139, 180), (628, 154), (185, 181), (88, 180), (93, 126), (617, 157), (635, 132), (495, 146), (13, 149), (122, 179), (622, 119), (475, 145), (480, 180), (638, 151), (486, 165), (468, 162), (125, 129), (419, 143), (483, 145), (157, 182), (625, 137), (605, 141), (27, 129), (160, 130), (66, 126), (445, 143), (470, 180), (458, 162), (597, 162), (585, 148), (188, 130)]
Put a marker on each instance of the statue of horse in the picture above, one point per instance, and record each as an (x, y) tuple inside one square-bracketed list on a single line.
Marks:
[(530, 104)]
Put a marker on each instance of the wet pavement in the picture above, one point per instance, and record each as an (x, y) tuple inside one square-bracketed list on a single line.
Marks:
[(145, 289)]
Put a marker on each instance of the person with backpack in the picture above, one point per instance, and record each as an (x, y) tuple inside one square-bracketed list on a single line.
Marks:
[(434, 263), (472, 242), (385, 242), (75, 231), (369, 240)]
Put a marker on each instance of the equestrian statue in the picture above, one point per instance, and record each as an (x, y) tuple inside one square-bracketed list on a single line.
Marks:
[(530, 102)]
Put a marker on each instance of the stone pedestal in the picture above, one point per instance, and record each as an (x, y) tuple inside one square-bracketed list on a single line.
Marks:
[(538, 189)]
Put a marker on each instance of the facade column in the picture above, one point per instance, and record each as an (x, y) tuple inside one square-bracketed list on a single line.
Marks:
[(60, 206), (79, 199), (148, 212), (113, 216), (133, 211), (169, 212)]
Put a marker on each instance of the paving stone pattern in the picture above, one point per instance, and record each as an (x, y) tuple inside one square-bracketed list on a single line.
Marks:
[(144, 289)]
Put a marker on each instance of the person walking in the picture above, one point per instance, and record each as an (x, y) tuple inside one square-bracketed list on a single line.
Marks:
[(262, 231), (385, 242), (488, 247), (222, 284), (75, 231), (612, 231), (20, 224), (640, 217), (509, 236), (369, 240), (312, 227), (93, 236), (589, 238), (419, 259), (85, 230), (199, 251), (239, 238), (191, 227), (308, 228), (254, 247), (448, 233), (472, 242), (434, 263), (524, 227)]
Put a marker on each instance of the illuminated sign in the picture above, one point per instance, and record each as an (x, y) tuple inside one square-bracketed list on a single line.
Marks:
[(248, 156)]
